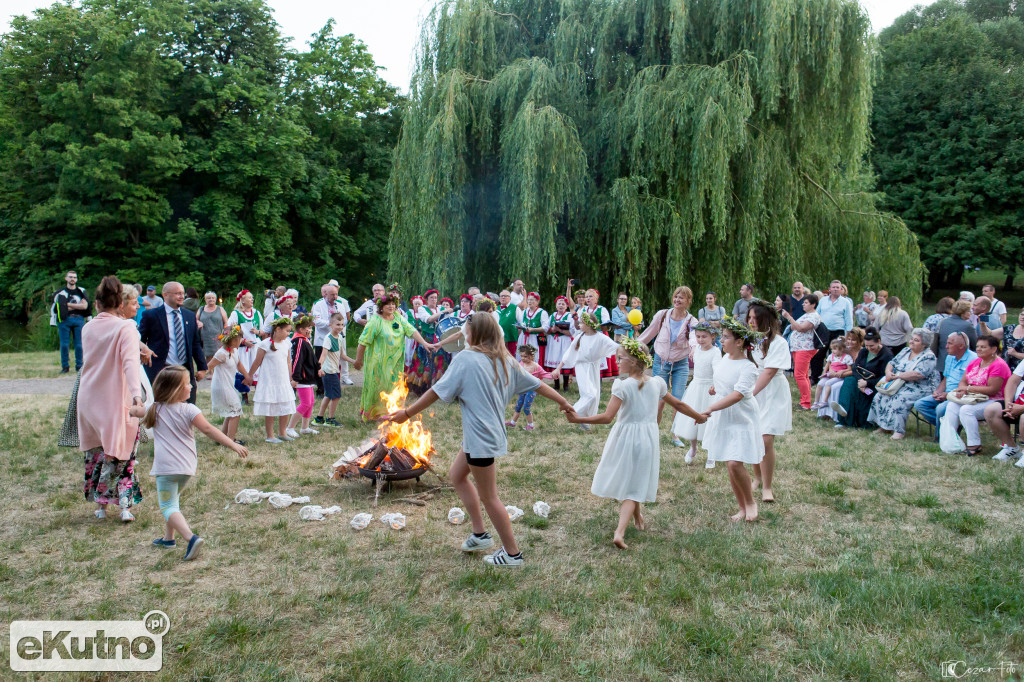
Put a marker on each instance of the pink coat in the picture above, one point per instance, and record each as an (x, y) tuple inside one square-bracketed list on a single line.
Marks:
[(109, 381)]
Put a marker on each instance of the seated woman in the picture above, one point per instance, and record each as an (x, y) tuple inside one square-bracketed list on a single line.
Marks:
[(854, 344), (915, 365), (854, 401), (986, 375)]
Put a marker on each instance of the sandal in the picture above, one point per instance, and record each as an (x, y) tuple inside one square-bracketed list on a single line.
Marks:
[(975, 451)]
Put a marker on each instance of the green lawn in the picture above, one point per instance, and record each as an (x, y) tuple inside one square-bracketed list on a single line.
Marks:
[(880, 560)]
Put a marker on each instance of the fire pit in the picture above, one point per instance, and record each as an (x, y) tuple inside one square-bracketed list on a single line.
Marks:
[(402, 451)]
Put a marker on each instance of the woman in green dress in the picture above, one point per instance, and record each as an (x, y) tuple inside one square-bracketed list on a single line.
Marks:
[(382, 350)]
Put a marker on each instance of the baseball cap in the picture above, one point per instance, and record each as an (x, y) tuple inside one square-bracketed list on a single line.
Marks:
[(151, 288)]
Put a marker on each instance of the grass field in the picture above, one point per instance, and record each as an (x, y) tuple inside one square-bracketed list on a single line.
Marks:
[(879, 561)]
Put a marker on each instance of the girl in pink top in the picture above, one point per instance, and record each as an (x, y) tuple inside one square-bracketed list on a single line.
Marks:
[(525, 401), (836, 364), (109, 385)]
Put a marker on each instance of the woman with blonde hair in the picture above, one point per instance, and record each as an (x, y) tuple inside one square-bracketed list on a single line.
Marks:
[(671, 331), (894, 325)]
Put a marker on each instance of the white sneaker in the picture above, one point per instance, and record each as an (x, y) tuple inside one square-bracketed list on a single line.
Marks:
[(347, 381), (1007, 453), (275, 441), (100, 514), (837, 408), (688, 458), (710, 464), (503, 558), (309, 431), (475, 544), (1019, 463), (291, 433), (126, 516)]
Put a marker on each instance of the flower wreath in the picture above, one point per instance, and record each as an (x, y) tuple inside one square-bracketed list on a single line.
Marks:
[(233, 333), (705, 326), (637, 350), (282, 321), (764, 304), (390, 296), (300, 321), (750, 337), (591, 321)]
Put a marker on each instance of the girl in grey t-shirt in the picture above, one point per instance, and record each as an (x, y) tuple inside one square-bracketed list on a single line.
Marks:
[(483, 378)]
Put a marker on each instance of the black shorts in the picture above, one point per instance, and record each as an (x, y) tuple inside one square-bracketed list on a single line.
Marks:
[(479, 461)]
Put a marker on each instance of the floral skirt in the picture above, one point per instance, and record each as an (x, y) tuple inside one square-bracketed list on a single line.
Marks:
[(112, 482)]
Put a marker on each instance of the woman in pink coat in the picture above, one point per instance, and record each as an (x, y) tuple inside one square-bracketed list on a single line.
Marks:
[(109, 386)]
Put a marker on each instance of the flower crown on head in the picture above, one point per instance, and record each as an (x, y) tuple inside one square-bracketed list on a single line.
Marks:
[(395, 288), (281, 322), (233, 333), (705, 326), (589, 320), (484, 305), (742, 331), (638, 351), (390, 296), (301, 321), (764, 304)]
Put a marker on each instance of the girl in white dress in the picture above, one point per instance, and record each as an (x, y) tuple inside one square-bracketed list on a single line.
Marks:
[(586, 354), (733, 432), (224, 365), (701, 389), (561, 329), (275, 395), (771, 390), (628, 471)]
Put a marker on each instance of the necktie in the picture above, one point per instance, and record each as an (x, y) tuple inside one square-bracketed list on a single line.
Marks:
[(179, 337)]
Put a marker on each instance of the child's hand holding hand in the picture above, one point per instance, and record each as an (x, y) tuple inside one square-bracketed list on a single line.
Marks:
[(320, 373), (700, 419), (711, 391), (137, 411), (706, 414), (295, 384)]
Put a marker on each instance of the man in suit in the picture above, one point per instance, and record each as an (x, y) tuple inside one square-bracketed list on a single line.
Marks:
[(171, 332)]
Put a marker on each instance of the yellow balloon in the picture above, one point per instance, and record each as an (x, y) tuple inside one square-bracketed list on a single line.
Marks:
[(635, 317)]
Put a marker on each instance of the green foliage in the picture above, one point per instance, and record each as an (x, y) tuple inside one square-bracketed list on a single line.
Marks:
[(947, 122), (641, 145), (181, 139)]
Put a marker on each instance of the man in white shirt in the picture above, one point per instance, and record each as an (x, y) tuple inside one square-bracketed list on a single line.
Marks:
[(998, 309), (273, 297), (151, 300), (322, 311), (517, 294), (368, 308)]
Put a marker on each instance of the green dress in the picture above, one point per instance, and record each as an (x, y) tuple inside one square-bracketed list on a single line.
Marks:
[(383, 360)]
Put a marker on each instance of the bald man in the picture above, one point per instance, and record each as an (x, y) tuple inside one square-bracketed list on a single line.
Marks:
[(171, 332)]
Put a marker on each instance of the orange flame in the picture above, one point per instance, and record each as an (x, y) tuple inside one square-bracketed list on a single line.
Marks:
[(411, 435)]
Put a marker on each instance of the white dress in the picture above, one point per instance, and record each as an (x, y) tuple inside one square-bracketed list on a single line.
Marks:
[(775, 400), (539, 318), (223, 395), (734, 434), (558, 344), (593, 350), (274, 395), (697, 396), (629, 465), (250, 325)]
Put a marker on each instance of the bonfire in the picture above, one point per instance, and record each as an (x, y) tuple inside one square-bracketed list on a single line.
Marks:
[(400, 451)]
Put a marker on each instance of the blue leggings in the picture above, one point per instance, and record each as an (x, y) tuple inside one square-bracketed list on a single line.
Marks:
[(167, 490), (525, 402)]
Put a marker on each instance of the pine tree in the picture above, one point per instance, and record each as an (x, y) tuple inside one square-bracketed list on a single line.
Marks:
[(643, 144)]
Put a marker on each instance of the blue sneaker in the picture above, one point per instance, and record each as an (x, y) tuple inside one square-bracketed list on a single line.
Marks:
[(160, 542), (193, 548)]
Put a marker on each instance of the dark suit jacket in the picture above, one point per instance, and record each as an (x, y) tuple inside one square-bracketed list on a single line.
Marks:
[(154, 333)]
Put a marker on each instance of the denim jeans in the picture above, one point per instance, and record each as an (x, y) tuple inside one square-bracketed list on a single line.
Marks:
[(71, 328), (675, 374), (932, 410)]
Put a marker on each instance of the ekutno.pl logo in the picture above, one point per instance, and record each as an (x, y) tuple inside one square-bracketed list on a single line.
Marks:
[(89, 645)]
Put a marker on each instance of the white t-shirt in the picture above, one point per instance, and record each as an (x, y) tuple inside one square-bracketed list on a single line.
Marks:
[(1019, 371), (515, 299), (998, 308), (174, 443)]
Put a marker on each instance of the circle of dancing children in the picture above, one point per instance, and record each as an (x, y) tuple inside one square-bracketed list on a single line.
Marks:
[(174, 450), (524, 404), (226, 363), (586, 354), (274, 398), (483, 378), (837, 362), (630, 463), (733, 432), (330, 371), (700, 393)]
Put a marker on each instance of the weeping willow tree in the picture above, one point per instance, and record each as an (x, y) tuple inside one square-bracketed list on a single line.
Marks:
[(643, 144)]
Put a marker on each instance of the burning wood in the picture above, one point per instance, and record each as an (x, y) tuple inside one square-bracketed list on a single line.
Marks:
[(401, 451)]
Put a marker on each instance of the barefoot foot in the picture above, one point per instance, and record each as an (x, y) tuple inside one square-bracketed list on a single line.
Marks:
[(755, 484), (767, 496), (738, 516), (619, 542), (638, 521), (752, 513)]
